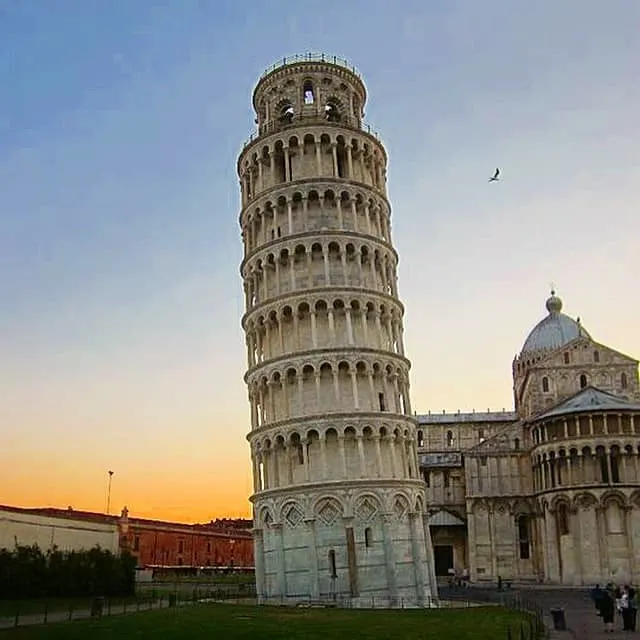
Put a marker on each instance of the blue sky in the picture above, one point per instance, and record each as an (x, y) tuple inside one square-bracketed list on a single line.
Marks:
[(120, 123)]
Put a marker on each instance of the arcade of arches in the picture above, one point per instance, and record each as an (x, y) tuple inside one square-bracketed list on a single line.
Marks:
[(549, 492)]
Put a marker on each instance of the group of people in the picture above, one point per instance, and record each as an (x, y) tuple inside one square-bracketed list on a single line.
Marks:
[(612, 600)]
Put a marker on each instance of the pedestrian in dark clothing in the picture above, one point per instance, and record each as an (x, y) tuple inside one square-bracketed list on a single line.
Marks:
[(596, 595), (632, 609), (608, 610), (625, 610)]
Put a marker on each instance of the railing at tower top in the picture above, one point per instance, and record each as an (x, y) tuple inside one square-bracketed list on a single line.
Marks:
[(311, 57), (274, 126)]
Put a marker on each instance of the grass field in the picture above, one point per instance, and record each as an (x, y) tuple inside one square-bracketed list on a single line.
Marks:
[(270, 623)]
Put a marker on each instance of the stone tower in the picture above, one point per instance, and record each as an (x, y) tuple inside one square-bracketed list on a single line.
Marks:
[(339, 502)]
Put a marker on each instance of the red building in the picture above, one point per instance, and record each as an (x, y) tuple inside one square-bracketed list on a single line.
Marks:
[(156, 543)]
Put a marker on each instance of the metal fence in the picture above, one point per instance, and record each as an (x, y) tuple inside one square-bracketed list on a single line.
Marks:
[(48, 610), (532, 625), (311, 57), (528, 626)]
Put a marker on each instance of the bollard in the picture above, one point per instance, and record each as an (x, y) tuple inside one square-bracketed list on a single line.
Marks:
[(97, 606), (558, 618)]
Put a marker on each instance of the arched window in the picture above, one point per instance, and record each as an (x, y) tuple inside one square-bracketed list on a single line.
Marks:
[(596, 356), (368, 537), (583, 381), (286, 114), (332, 112), (623, 381), (567, 357), (523, 537), (516, 444), (545, 384), (421, 438), (449, 438), (563, 519), (307, 92), (615, 467), (332, 564), (601, 457)]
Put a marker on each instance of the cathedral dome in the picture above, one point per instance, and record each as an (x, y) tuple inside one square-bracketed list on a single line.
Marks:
[(554, 331)]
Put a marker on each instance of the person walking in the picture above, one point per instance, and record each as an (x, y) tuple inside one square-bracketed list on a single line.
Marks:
[(596, 595), (608, 608), (628, 608)]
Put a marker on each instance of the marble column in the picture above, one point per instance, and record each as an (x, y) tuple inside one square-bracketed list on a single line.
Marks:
[(258, 550)]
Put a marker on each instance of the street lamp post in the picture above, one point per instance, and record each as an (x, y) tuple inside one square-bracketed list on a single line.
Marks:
[(109, 492)]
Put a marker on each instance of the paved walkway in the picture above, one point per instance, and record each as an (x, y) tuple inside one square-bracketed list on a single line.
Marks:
[(31, 619), (580, 613), (582, 620)]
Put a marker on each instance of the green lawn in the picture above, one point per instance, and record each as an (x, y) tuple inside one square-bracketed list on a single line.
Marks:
[(233, 622)]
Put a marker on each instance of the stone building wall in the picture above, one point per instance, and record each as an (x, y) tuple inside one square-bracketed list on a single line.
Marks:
[(67, 531)]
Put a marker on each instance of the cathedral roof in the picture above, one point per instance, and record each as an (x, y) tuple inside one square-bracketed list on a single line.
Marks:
[(554, 331), (590, 399)]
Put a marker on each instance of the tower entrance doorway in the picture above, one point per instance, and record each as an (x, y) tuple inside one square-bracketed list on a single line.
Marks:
[(443, 557)]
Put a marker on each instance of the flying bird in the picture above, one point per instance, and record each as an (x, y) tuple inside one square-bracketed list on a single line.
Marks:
[(495, 177)]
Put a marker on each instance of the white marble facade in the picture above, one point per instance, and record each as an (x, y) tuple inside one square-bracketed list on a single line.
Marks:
[(549, 492), (339, 502)]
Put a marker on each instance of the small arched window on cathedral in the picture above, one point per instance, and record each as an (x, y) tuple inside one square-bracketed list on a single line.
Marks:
[(567, 357), (596, 356), (601, 457), (332, 564), (368, 537), (523, 537), (563, 519), (545, 384), (623, 381), (307, 92), (583, 381), (449, 438), (420, 438), (614, 461), (516, 444)]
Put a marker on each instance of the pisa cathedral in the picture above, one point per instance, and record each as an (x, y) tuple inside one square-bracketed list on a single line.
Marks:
[(549, 492), (339, 506)]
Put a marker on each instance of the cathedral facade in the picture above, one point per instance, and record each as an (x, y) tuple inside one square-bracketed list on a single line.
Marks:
[(549, 492)]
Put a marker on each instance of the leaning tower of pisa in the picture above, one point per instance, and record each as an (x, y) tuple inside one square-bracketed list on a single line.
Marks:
[(338, 502)]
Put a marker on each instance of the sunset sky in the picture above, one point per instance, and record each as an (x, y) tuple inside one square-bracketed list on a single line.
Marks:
[(120, 124)]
